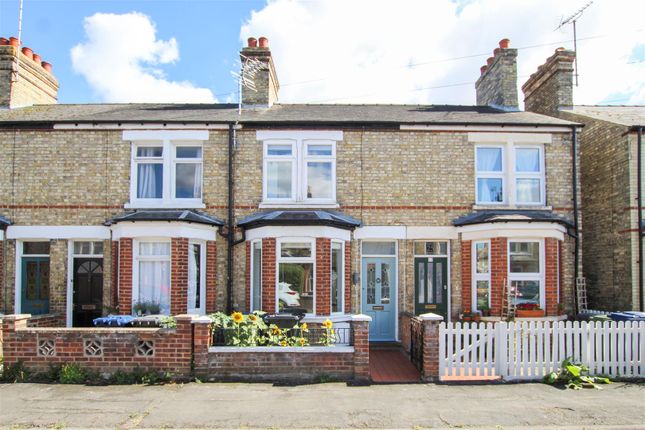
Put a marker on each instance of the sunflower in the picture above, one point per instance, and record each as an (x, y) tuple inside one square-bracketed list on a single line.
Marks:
[(253, 318), (283, 343), (303, 327), (237, 317), (276, 331), (302, 341), (328, 324)]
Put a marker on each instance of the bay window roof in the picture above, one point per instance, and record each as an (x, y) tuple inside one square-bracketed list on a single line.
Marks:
[(4, 222), (503, 216), (190, 216), (300, 218)]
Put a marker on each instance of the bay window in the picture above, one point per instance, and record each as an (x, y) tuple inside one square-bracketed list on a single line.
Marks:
[(481, 275), (525, 271), (152, 263), (296, 289)]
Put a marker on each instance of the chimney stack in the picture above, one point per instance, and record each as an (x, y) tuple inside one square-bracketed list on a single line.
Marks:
[(497, 85), (266, 80), (551, 87), (25, 79)]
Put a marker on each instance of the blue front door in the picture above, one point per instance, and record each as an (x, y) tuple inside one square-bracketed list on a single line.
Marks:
[(35, 285), (378, 276)]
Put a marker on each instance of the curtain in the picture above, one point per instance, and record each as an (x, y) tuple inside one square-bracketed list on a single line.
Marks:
[(154, 275), (527, 160), (489, 159)]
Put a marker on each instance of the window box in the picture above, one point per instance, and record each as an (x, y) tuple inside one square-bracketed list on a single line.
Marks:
[(529, 313)]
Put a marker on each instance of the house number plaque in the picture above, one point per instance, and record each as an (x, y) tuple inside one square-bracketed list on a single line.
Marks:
[(378, 308)]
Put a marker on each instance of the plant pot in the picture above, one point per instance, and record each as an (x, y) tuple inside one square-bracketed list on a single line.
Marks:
[(529, 313), (13, 41), (46, 66), (4, 41), (486, 313)]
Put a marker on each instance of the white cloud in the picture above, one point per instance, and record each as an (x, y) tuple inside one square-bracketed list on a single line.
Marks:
[(365, 51), (118, 60)]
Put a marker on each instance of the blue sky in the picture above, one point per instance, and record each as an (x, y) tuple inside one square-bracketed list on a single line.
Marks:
[(331, 51)]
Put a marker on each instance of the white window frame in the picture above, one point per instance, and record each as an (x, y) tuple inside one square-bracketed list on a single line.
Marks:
[(293, 159), (280, 259), (539, 276), (341, 285), (509, 174), (480, 276), (251, 278), (137, 258), (202, 277), (169, 162), (317, 159)]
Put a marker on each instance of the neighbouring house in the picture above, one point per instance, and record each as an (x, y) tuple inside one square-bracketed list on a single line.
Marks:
[(386, 210), (611, 178)]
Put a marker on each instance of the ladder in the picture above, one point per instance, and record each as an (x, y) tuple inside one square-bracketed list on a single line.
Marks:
[(508, 302), (581, 294)]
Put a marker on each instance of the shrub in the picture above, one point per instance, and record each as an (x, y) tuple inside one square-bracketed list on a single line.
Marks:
[(72, 373), (15, 372)]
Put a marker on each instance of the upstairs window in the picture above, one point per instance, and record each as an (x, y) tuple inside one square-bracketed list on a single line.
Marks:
[(528, 175), (490, 174)]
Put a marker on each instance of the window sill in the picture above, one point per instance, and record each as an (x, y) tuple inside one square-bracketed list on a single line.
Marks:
[(165, 205), (481, 207), (298, 205)]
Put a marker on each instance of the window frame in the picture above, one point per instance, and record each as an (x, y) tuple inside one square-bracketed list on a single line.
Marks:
[(137, 258), (252, 278), (491, 174), (341, 278), (18, 276), (533, 276), (480, 276), (202, 276), (311, 259), (293, 159), (540, 175)]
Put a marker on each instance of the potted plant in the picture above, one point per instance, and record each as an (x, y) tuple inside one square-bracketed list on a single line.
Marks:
[(529, 310), (468, 316), (485, 310)]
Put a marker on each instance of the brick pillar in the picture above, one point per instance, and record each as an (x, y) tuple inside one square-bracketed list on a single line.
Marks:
[(211, 276), (2, 245), (551, 275), (247, 278), (179, 276), (466, 275), (430, 346), (268, 275), (11, 346), (125, 276), (361, 341), (183, 355), (498, 272), (114, 249), (323, 276), (201, 343), (348, 277)]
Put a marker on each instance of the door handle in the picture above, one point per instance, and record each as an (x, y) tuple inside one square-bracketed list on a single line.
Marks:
[(378, 280)]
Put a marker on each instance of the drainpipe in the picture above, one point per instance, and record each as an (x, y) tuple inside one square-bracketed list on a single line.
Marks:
[(230, 237), (574, 183), (639, 187)]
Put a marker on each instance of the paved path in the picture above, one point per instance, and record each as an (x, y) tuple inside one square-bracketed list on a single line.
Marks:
[(331, 405)]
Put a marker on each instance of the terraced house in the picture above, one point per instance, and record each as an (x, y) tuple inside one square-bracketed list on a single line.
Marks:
[(386, 210)]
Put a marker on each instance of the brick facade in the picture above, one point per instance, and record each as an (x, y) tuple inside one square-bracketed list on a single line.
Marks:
[(466, 275), (551, 275), (497, 85), (498, 273), (125, 276), (323, 276), (269, 268), (211, 276), (178, 276), (34, 85), (348, 277)]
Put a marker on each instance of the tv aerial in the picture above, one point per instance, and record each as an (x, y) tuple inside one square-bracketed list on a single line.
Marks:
[(245, 78), (572, 20)]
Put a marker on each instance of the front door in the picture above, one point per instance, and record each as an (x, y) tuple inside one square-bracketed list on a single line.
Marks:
[(88, 291), (378, 296), (431, 285), (35, 288)]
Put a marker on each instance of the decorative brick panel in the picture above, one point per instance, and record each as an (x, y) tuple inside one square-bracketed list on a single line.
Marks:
[(247, 278), (348, 277), (466, 274), (125, 276), (211, 276), (498, 272), (179, 276), (551, 275), (268, 274), (323, 276)]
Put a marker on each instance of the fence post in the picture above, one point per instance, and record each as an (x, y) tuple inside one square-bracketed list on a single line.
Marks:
[(201, 343), (360, 336), (9, 347), (500, 356), (430, 346)]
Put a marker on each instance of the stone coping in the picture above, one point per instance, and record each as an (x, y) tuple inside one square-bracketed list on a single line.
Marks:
[(95, 330), (344, 349)]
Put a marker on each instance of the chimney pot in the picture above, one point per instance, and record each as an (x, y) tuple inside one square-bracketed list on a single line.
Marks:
[(13, 41), (264, 42), (28, 52), (483, 69), (504, 43), (560, 49), (253, 42), (496, 51), (489, 61), (4, 41), (47, 66), (37, 58)]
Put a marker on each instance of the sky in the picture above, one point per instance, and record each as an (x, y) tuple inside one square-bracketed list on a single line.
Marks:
[(325, 51)]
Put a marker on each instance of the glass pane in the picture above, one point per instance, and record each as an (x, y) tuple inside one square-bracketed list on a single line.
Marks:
[(44, 280), (527, 159), (371, 283), (150, 151), (35, 248), (430, 283), (154, 248), (385, 283), (279, 179), (430, 248), (481, 256), (526, 292), (379, 248), (525, 257), (489, 190), (82, 248), (439, 284), (194, 274), (149, 180), (257, 276), (154, 285), (33, 280), (188, 183), (279, 150), (319, 180), (189, 152), (319, 150), (483, 294), (296, 286), (528, 190), (295, 249), (98, 248), (336, 277), (421, 282), (489, 159)]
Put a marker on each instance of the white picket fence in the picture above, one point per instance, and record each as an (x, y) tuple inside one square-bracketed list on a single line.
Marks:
[(528, 350)]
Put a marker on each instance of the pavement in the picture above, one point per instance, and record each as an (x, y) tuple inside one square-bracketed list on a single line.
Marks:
[(329, 405)]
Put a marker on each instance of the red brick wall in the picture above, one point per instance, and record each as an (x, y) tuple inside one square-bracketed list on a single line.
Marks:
[(2, 245), (466, 275), (48, 320), (211, 276), (247, 297), (498, 272), (178, 276), (323, 276), (125, 276), (551, 275), (348, 277), (268, 274), (115, 273)]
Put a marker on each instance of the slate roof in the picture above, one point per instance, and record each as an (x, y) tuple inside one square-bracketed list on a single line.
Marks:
[(278, 113), (630, 116), (4, 222), (166, 215), (498, 216), (299, 218)]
